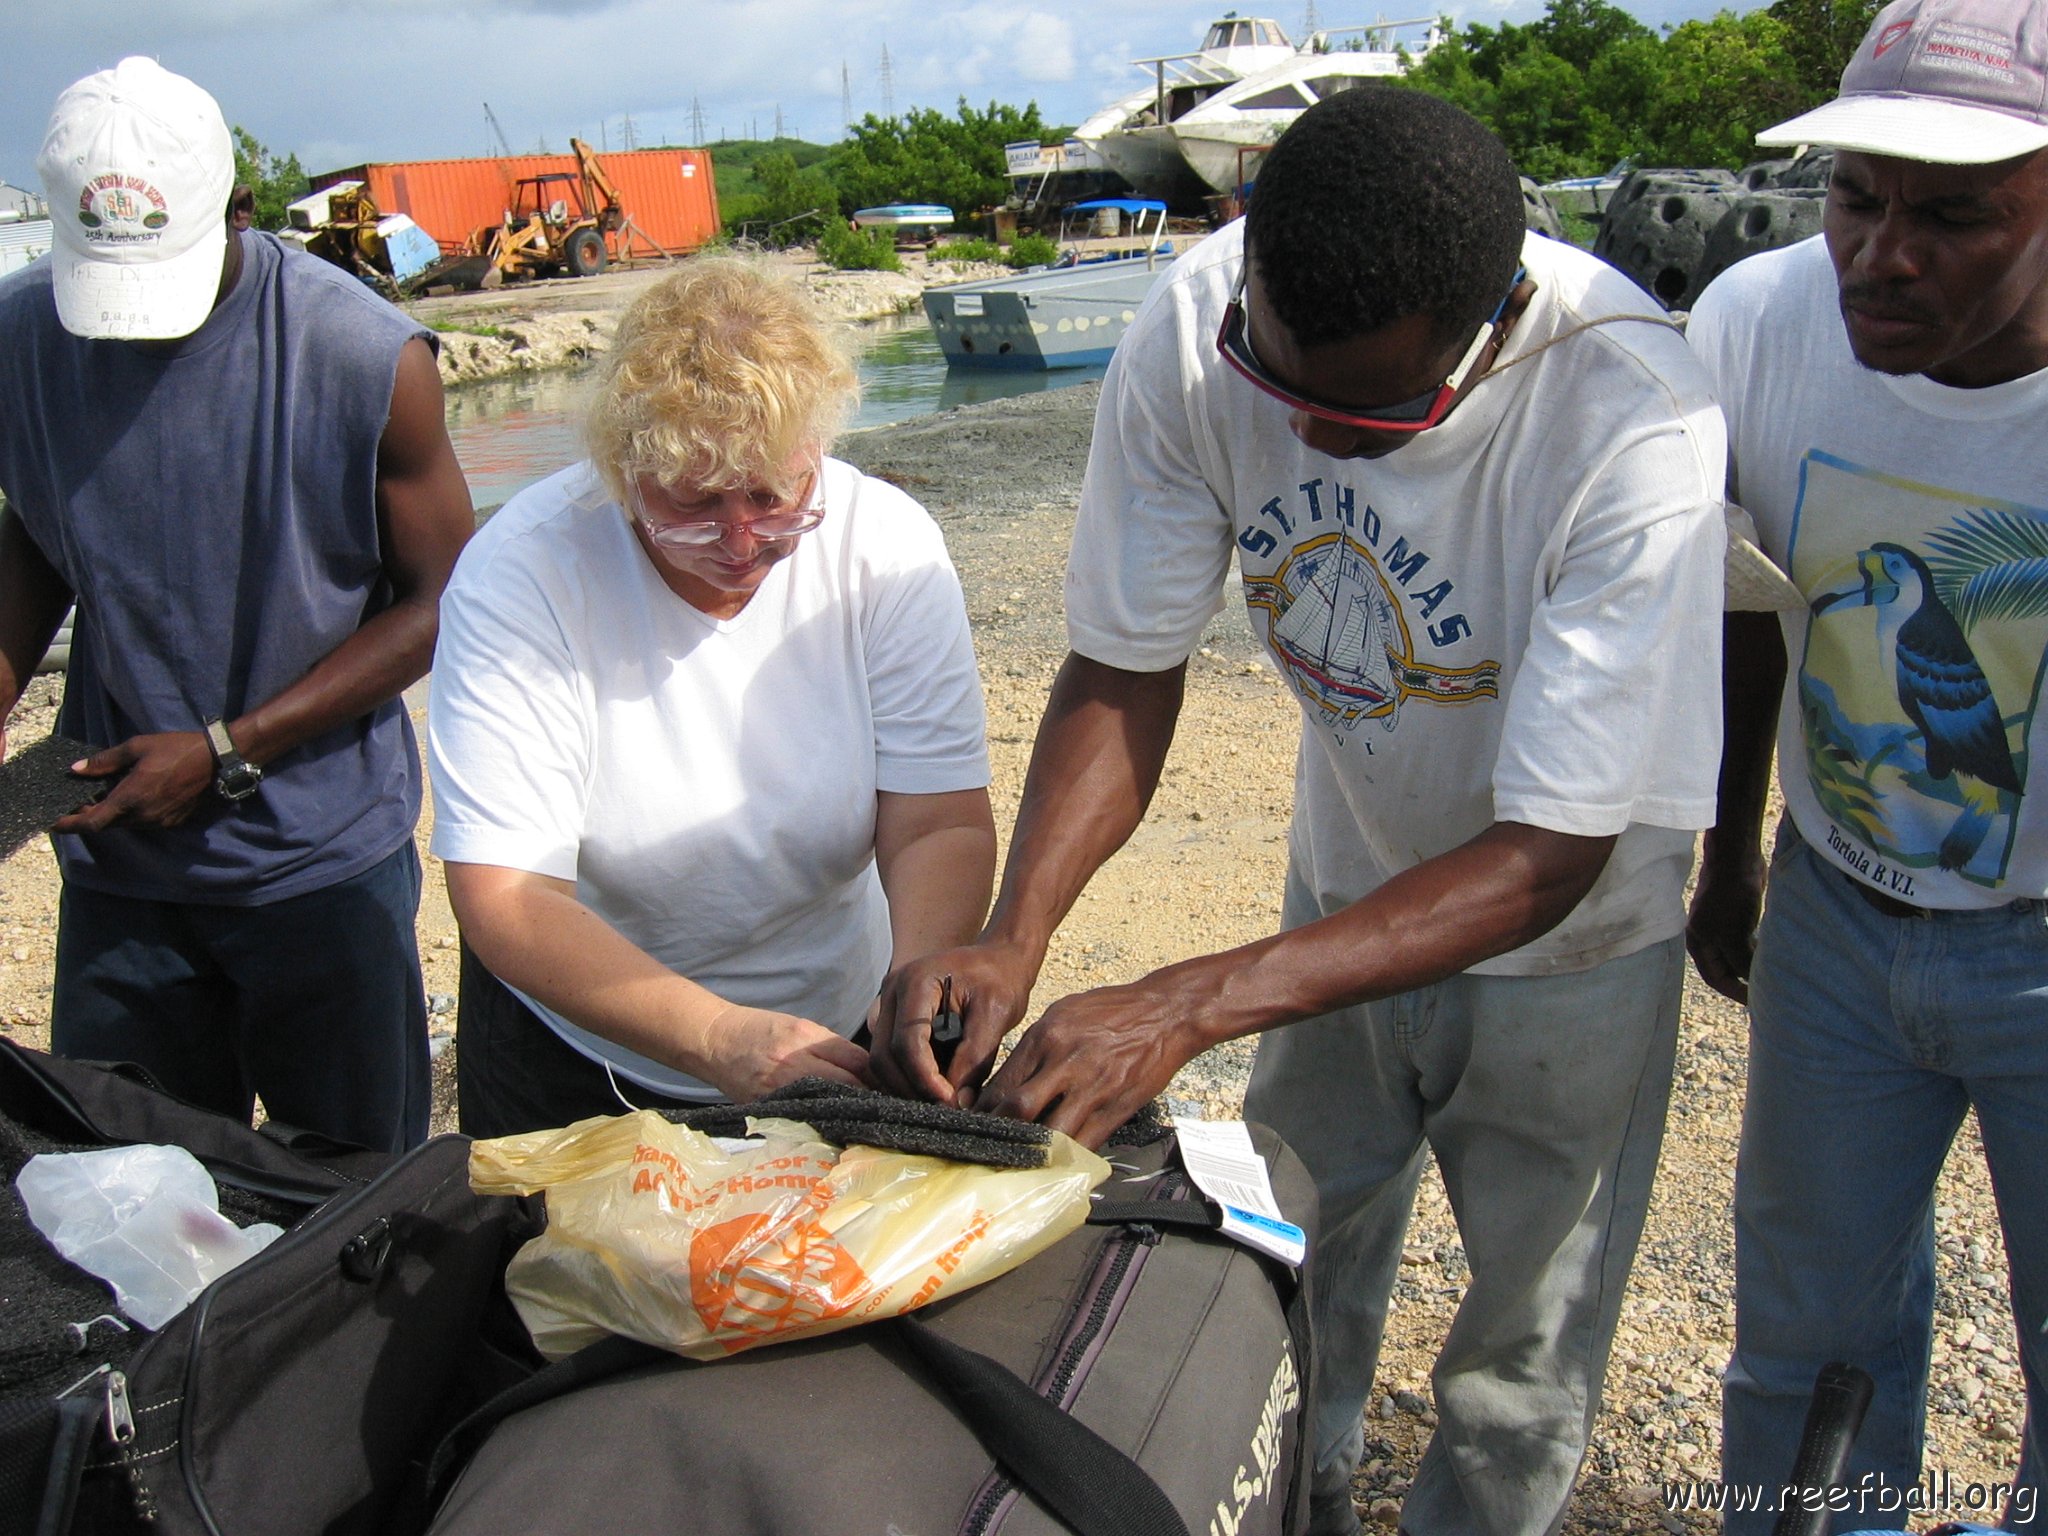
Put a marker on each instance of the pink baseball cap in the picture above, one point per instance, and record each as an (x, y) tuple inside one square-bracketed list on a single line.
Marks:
[(1953, 82), (138, 167)]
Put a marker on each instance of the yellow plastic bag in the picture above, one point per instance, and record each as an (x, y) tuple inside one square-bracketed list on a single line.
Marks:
[(656, 1232)]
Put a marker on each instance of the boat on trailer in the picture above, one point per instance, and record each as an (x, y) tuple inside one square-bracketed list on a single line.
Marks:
[(909, 217), (1070, 315)]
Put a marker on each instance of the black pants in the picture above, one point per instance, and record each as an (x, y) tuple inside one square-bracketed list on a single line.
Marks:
[(514, 1074), (313, 1002)]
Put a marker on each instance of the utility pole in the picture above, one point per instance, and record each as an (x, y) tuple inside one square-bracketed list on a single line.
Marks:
[(778, 120), (845, 99), (1311, 24), (696, 121), (888, 83), (629, 135)]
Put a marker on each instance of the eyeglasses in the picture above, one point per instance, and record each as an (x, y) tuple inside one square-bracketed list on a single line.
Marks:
[(797, 514), (1417, 415)]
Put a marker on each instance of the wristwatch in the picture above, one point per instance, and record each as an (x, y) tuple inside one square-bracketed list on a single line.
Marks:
[(234, 777)]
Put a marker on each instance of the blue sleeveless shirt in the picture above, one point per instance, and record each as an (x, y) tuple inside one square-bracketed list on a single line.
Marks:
[(212, 504)]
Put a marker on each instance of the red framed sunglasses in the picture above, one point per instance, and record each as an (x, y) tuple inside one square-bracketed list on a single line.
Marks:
[(1417, 415)]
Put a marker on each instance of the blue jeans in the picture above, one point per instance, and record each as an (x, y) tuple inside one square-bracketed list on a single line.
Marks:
[(313, 1002), (1543, 1099), (1870, 1037)]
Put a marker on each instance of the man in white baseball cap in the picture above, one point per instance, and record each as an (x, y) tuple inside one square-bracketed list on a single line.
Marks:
[(232, 457), (138, 168), (1886, 387)]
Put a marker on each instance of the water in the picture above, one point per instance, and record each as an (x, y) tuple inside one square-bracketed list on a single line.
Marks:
[(511, 432)]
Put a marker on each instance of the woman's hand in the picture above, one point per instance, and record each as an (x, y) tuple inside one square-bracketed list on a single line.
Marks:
[(532, 933), (759, 1050)]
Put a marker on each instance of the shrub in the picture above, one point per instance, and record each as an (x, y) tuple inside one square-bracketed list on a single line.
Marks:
[(857, 250), (1032, 251), (967, 250)]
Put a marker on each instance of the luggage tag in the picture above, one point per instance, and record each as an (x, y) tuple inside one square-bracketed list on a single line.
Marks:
[(1220, 1158)]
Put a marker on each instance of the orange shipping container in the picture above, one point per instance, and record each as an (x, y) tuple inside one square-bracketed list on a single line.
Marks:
[(669, 193)]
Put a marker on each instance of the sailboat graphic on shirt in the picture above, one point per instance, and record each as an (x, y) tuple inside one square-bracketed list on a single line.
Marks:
[(1334, 626)]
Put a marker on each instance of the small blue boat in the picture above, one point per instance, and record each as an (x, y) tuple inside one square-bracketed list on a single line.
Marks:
[(904, 216), (1069, 315)]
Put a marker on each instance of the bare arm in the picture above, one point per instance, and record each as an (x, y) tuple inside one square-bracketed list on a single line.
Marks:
[(33, 598), (424, 518), (1093, 770), (936, 855), (1095, 1058), (532, 933), (1721, 928)]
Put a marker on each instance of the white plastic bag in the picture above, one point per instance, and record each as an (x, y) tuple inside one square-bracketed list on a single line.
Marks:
[(145, 1219)]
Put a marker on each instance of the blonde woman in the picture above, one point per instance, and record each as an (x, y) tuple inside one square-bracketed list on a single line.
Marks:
[(706, 736)]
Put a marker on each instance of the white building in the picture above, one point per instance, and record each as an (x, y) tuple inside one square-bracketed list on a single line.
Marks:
[(22, 241), (20, 203)]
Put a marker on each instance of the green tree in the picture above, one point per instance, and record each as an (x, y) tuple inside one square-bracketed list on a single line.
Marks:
[(925, 156), (1820, 37), (275, 181), (1582, 31), (1587, 84), (1724, 81), (794, 200)]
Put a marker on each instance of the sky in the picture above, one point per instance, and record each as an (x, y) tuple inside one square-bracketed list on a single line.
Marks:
[(341, 82)]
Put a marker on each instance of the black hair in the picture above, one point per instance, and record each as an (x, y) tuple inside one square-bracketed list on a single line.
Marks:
[(1381, 203)]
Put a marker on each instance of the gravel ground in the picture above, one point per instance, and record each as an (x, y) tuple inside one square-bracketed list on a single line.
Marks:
[(1204, 872)]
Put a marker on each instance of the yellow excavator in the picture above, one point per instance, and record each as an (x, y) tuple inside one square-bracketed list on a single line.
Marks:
[(561, 223)]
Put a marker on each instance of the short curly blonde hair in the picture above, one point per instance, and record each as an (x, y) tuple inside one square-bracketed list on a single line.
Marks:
[(719, 377)]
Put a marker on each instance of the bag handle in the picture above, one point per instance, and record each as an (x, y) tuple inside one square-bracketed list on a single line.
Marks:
[(1094, 1488)]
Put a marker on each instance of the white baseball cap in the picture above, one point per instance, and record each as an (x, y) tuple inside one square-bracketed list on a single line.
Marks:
[(1952, 82), (138, 168)]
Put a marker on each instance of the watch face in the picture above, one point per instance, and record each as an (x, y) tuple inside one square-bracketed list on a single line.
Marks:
[(237, 780)]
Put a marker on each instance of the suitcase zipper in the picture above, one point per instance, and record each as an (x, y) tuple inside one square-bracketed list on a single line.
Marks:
[(1103, 1301), (113, 1386)]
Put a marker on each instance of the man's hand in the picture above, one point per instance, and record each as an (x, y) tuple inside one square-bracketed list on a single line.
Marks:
[(1720, 930), (759, 1050), (161, 779), (991, 989), (1093, 1060)]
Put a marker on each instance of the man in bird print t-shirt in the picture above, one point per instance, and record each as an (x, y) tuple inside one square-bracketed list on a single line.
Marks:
[(1886, 387)]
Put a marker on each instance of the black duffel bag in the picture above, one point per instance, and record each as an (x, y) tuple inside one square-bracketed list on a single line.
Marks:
[(302, 1391), (1143, 1377)]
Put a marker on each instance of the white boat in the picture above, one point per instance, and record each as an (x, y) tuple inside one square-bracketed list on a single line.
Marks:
[(1133, 135), (1067, 316), (1221, 139)]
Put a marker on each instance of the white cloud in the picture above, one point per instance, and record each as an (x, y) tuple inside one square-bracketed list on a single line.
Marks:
[(1045, 47)]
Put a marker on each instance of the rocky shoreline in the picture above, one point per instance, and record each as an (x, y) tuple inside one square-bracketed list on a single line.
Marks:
[(561, 322)]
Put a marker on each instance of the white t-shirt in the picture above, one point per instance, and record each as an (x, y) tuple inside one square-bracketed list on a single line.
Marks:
[(1912, 517), (709, 784), (1515, 617)]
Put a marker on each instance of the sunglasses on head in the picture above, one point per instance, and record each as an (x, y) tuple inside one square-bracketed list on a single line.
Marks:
[(1424, 411)]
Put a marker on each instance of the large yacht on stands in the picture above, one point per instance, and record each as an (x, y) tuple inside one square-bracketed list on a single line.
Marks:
[(1133, 135), (1221, 139), (1179, 138)]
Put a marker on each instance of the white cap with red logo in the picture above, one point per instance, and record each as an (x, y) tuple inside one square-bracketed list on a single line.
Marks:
[(1952, 82), (138, 168)]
